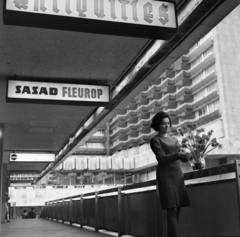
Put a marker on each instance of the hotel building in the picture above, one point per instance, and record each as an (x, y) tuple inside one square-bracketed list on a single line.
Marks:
[(201, 87)]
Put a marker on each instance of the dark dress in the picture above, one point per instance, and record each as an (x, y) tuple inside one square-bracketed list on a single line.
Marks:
[(170, 180)]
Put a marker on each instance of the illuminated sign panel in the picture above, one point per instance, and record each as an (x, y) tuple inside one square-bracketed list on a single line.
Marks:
[(55, 92), (81, 162), (31, 157), (160, 15)]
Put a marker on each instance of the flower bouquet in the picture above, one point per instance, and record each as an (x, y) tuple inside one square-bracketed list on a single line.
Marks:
[(198, 144)]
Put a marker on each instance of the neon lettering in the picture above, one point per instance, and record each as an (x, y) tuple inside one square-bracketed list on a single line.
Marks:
[(148, 9), (97, 12), (163, 14), (21, 4)]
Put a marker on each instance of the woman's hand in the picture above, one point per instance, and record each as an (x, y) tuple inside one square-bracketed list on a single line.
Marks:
[(184, 155)]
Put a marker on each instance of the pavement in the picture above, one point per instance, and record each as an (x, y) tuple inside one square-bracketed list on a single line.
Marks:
[(45, 228)]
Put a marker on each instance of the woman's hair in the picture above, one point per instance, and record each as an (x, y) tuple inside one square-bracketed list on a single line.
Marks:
[(158, 118)]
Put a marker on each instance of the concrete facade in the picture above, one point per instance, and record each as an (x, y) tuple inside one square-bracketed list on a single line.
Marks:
[(227, 51)]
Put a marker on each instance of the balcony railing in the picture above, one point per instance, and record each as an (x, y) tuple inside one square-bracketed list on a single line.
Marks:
[(205, 118), (202, 83), (211, 96), (200, 49), (135, 209), (90, 151), (205, 63)]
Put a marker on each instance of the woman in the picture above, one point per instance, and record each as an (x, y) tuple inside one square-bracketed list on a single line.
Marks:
[(173, 193)]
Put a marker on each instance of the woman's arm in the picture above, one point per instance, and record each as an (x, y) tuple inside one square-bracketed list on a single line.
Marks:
[(160, 154)]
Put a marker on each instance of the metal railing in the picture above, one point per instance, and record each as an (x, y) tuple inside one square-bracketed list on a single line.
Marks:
[(135, 209)]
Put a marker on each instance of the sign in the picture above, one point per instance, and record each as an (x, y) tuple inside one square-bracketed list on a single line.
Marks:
[(93, 163), (81, 162), (140, 18), (57, 92), (69, 163), (128, 163), (106, 163), (20, 184), (31, 157), (117, 163)]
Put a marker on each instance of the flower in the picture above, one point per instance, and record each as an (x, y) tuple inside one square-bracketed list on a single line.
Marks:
[(180, 130), (197, 143)]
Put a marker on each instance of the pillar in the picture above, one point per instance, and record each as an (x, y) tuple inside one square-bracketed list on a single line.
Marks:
[(4, 187), (1, 172), (107, 135)]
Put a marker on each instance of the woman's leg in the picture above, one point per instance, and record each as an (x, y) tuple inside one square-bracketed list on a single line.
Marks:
[(178, 212), (172, 222)]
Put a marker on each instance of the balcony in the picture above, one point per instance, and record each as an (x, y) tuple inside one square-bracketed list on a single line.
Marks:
[(206, 118), (168, 74), (150, 108), (146, 122), (181, 64), (132, 106), (145, 115), (131, 127), (133, 120), (144, 138), (120, 119), (130, 115), (202, 65), (184, 94), (132, 142), (202, 48), (125, 130), (123, 137), (152, 90), (182, 78), (136, 138), (145, 108), (114, 135), (184, 109), (209, 117), (119, 146), (146, 130), (97, 139), (133, 134), (167, 103), (122, 124), (139, 125), (144, 101), (172, 113), (158, 80), (166, 86), (207, 80), (90, 151), (213, 95), (134, 127)]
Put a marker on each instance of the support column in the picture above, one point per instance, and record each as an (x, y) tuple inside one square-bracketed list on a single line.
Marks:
[(107, 135), (4, 187), (1, 172)]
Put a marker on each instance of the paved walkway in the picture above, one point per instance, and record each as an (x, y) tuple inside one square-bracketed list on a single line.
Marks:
[(44, 228)]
